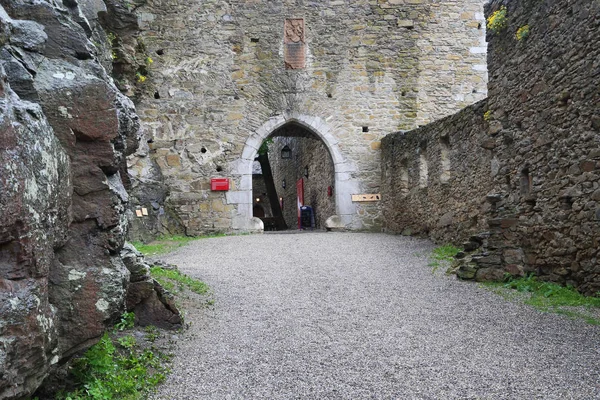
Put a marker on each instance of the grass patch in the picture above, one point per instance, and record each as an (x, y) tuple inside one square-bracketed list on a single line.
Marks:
[(442, 256), (167, 244), (551, 297), (116, 369), (172, 280)]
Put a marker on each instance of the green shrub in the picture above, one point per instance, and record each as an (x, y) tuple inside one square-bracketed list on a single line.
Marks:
[(497, 22), (127, 321), (522, 33), (103, 373)]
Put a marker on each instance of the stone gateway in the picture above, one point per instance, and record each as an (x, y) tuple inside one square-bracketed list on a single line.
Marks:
[(228, 75)]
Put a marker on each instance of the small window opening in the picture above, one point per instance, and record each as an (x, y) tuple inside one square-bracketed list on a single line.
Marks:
[(525, 182), (445, 159), (365, 129), (254, 40), (160, 52), (219, 168), (423, 171), (423, 166), (404, 182), (156, 95), (203, 150)]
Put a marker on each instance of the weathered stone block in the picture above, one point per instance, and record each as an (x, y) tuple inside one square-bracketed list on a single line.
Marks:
[(489, 274), (467, 271)]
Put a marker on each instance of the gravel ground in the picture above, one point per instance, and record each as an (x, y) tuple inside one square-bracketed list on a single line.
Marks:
[(362, 316)]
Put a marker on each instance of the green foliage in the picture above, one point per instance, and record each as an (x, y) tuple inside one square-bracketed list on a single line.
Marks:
[(264, 147), (551, 297), (127, 321), (445, 252), (442, 256), (170, 279), (522, 33), (127, 342), (497, 22), (104, 374), (112, 38), (152, 333), (548, 294), (487, 116), (166, 244)]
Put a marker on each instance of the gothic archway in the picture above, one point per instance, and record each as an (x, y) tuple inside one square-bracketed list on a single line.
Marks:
[(345, 184)]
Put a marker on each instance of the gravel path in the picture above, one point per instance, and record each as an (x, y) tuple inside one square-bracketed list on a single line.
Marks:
[(361, 316)]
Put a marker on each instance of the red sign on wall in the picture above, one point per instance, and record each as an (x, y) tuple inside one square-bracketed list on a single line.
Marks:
[(219, 184)]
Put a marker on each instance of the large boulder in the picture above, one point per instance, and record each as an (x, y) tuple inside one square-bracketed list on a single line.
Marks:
[(65, 133), (35, 189)]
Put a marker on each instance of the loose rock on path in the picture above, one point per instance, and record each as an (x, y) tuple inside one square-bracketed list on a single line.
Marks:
[(362, 316)]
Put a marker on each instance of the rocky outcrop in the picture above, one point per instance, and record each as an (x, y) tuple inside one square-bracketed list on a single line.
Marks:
[(151, 304), (148, 190), (65, 133), (35, 188)]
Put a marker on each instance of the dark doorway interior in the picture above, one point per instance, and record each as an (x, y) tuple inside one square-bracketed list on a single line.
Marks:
[(295, 153)]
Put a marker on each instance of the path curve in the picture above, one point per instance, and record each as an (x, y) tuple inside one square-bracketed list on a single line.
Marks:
[(361, 316)]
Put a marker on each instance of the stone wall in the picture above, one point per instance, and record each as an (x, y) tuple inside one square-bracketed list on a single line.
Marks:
[(536, 184), (452, 66), (219, 86), (435, 178)]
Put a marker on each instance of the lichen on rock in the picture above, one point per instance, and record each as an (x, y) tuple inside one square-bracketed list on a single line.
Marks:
[(65, 133)]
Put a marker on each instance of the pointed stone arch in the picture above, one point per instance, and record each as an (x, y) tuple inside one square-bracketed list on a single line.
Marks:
[(345, 184)]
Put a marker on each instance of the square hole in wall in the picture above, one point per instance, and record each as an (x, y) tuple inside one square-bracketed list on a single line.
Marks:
[(365, 129)]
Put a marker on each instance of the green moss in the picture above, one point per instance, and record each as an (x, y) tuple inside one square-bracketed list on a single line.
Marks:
[(172, 279), (442, 256), (550, 297), (167, 244)]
